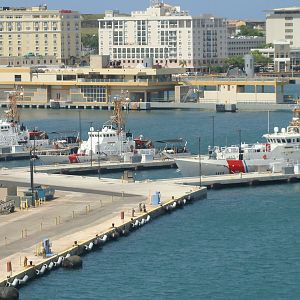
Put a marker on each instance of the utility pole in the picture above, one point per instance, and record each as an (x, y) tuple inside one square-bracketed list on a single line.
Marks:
[(213, 131), (200, 167), (91, 137), (99, 176), (31, 176)]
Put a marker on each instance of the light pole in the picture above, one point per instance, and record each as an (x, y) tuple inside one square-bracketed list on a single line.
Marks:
[(91, 137), (31, 176), (213, 131), (200, 167), (240, 144), (99, 176)]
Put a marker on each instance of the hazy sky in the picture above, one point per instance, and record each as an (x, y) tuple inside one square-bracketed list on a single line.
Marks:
[(251, 9)]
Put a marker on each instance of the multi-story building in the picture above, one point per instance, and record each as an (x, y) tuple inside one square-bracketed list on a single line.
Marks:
[(166, 33), (284, 24), (242, 45), (41, 32)]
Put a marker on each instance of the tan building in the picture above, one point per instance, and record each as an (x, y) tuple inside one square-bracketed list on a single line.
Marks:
[(171, 36), (88, 86), (40, 32)]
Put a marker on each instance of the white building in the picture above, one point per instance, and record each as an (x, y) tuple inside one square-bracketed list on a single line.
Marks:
[(166, 33), (284, 24), (242, 45)]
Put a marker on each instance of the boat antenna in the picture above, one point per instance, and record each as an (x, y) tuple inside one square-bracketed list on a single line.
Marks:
[(79, 116), (268, 121)]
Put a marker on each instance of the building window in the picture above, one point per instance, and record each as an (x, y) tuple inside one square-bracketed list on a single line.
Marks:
[(18, 77)]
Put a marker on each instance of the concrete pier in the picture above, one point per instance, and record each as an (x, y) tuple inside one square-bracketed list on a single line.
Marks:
[(84, 209)]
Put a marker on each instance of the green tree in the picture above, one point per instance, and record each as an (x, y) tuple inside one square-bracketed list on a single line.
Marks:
[(246, 31), (182, 63), (235, 61), (260, 59), (90, 41)]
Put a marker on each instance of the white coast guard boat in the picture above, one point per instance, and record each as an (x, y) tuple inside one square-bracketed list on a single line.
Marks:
[(110, 141), (16, 136), (280, 148)]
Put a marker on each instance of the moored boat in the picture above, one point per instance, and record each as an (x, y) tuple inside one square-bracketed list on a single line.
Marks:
[(281, 148)]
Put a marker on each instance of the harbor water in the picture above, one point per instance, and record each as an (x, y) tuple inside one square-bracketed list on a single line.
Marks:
[(237, 244), (240, 243)]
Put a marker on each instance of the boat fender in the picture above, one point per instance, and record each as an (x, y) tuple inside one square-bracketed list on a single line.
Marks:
[(59, 261), (148, 218), (72, 262), (68, 255), (15, 282), (184, 201), (90, 247), (142, 222), (24, 279), (9, 293), (42, 270), (104, 238), (115, 235), (125, 232), (51, 265), (174, 204), (136, 223)]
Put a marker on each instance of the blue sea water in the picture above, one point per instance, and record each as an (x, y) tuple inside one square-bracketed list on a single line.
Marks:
[(240, 243)]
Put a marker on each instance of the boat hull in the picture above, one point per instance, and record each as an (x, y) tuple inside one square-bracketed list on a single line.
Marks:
[(192, 167)]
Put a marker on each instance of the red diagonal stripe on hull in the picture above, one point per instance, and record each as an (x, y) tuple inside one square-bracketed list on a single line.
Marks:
[(236, 166)]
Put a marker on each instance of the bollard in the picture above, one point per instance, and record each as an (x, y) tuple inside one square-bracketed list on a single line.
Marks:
[(122, 215), (9, 267), (132, 213)]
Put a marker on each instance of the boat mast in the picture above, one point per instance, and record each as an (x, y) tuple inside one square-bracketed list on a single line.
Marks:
[(13, 113), (118, 118)]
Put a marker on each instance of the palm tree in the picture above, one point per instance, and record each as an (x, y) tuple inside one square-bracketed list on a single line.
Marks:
[(182, 63)]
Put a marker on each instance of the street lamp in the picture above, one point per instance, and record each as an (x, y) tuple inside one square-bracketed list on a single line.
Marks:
[(213, 131), (200, 167), (31, 175), (99, 176), (91, 137)]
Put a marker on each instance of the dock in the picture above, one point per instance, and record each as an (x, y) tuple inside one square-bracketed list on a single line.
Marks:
[(103, 167), (238, 180), (85, 209)]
